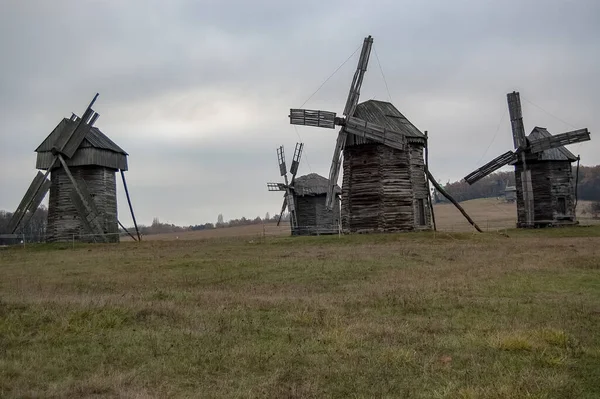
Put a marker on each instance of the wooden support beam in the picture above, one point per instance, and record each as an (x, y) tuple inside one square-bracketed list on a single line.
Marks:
[(527, 192), (282, 208), (456, 204), (130, 206)]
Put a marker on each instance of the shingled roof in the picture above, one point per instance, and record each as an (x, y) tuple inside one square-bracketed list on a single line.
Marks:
[(385, 114), (94, 138), (553, 154), (313, 184)]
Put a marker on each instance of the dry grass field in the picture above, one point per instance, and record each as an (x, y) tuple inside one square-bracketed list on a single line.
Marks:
[(489, 213), (420, 315)]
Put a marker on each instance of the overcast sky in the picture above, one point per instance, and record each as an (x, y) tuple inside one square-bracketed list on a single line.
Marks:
[(198, 92)]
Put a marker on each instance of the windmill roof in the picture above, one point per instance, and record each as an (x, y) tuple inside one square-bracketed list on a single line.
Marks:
[(313, 184), (388, 116), (94, 138), (553, 154)]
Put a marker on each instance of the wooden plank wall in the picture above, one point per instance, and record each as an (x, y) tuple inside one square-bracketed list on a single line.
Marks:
[(550, 180), (86, 156), (381, 189), (313, 216), (63, 218)]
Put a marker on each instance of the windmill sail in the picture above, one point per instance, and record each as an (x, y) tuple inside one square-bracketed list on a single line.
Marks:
[(275, 186), (559, 140), (491, 166), (309, 117), (296, 160), (349, 109), (516, 119)]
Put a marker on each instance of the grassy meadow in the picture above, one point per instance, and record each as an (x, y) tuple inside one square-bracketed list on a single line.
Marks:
[(514, 314)]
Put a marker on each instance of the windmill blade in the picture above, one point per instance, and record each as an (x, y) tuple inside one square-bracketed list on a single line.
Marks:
[(70, 138), (296, 160), (31, 201), (375, 132), (282, 209), (516, 119), (276, 187), (354, 93), (559, 140), (281, 161), (292, 208), (310, 117), (334, 170), (491, 166)]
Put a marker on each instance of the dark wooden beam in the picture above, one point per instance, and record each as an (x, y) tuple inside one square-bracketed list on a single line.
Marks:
[(456, 204), (130, 206)]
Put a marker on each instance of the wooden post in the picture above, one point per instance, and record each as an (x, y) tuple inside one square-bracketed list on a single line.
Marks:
[(576, 187), (427, 180), (130, 206), (456, 204), (526, 186)]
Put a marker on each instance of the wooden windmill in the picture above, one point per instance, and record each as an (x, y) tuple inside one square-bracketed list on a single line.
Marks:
[(82, 163), (305, 198), (385, 180), (544, 182)]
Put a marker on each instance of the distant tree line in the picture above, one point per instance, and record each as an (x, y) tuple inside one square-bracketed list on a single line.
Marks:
[(493, 185), (157, 227)]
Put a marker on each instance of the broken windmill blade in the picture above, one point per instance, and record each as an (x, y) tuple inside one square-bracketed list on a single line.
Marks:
[(29, 204), (379, 146), (542, 170)]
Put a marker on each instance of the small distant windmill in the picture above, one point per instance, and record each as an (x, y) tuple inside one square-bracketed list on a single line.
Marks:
[(82, 163), (544, 182), (305, 198)]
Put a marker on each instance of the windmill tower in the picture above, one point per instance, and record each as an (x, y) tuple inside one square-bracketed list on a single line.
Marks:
[(305, 198), (544, 181), (82, 163), (385, 182)]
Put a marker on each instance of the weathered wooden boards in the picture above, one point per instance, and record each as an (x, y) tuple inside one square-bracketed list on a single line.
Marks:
[(68, 216), (382, 189), (313, 216), (315, 118), (552, 188)]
